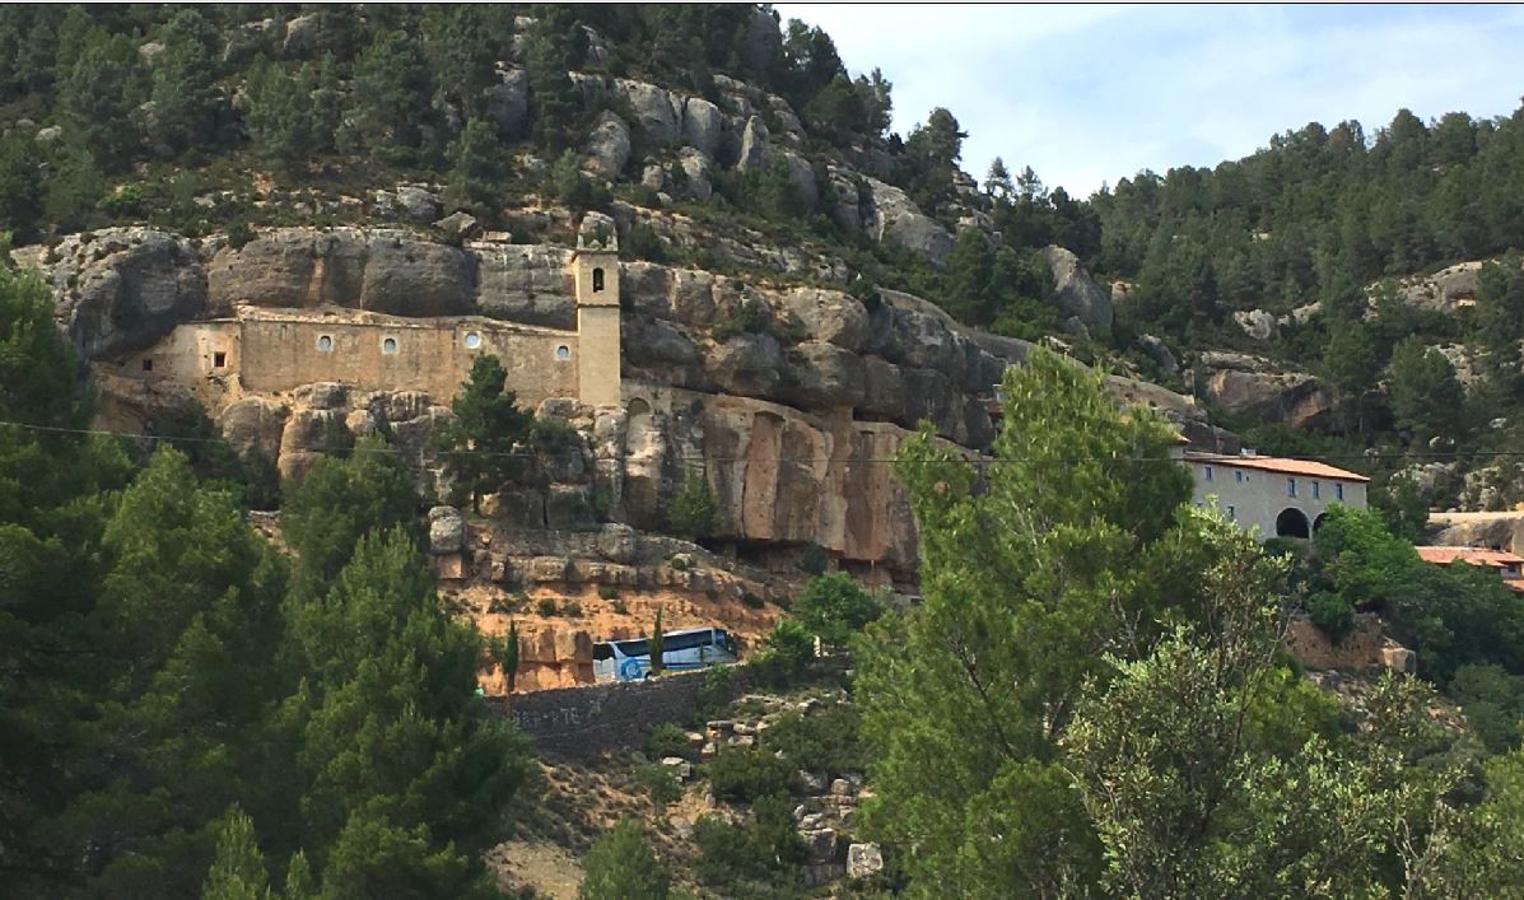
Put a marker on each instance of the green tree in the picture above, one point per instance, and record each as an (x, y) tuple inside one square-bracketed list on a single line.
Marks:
[(1061, 557), (478, 166), (392, 90), (507, 654), (555, 47), (657, 645), (997, 182), (184, 90), (238, 869), (325, 513), (620, 865), (479, 446), (98, 96), (1426, 397), (292, 116), (835, 608)]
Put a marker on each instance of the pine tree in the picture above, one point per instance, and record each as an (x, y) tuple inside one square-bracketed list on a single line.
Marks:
[(621, 866), (478, 166), (479, 446), (184, 92), (392, 93), (97, 97), (238, 869), (997, 182)]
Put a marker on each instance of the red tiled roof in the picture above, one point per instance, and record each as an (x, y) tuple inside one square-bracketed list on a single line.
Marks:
[(1476, 556), (1282, 464)]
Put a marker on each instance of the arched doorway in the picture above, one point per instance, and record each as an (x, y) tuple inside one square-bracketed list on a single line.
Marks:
[(1292, 523), (1318, 522)]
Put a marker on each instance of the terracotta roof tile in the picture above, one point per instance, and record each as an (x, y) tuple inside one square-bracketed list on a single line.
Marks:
[(1284, 465), (1477, 556)]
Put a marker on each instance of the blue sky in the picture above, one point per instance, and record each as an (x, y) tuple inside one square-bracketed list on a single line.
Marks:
[(1089, 94)]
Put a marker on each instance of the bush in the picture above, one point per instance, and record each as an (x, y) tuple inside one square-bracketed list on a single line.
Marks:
[(608, 592), (824, 741), (752, 601), (239, 234), (546, 606), (660, 782), (1333, 615), (643, 242), (693, 512), (744, 774), (814, 560), (715, 693), (572, 609), (834, 607), (785, 655), (621, 865), (668, 739), (733, 854)]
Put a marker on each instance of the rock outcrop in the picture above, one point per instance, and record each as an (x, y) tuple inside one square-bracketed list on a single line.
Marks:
[(608, 145), (121, 289), (1075, 293), (895, 219), (1256, 387)]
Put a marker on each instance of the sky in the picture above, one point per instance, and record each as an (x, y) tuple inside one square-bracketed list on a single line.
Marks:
[(1089, 94)]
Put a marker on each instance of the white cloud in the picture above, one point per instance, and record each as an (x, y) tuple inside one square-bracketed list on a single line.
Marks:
[(1086, 94)]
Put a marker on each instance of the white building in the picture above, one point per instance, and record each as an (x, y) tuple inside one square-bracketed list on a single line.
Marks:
[(1275, 496)]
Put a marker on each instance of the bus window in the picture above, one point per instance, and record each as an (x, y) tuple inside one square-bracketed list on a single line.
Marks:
[(603, 651), (633, 648)]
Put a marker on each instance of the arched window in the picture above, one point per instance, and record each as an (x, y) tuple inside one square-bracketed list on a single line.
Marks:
[(597, 280), (473, 340), (324, 343), (388, 345), (1292, 523), (639, 407), (563, 353)]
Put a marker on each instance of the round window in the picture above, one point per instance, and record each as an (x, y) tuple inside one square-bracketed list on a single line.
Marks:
[(563, 352), (389, 345), (473, 340), (325, 343)]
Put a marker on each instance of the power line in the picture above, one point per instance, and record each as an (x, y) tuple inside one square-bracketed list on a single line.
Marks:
[(1221, 459)]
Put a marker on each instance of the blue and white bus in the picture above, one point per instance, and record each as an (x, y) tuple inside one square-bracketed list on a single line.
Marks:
[(690, 648)]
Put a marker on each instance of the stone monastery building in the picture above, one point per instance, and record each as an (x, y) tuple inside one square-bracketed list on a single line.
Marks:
[(1275, 496), (275, 350)]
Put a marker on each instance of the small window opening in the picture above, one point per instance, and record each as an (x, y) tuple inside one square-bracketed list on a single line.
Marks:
[(147, 365), (1232, 512), (1290, 487), (597, 280), (389, 345), (1339, 491), (473, 340), (1238, 477), (219, 359), (325, 343), (1208, 470), (563, 353), (1317, 491)]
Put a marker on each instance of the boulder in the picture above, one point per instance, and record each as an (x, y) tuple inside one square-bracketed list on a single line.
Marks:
[(658, 113), (696, 173), (1255, 387), (819, 844), (416, 204), (309, 434), (846, 204), (897, 220), (703, 123), (608, 145), (753, 145), (49, 135), (618, 543), (864, 861), (1256, 323), (653, 177), (1074, 291), (120, 290), (1156, 350), (830, 316), (801, 176), (508, 104), (447, 530), (823, 376), (569, 507)]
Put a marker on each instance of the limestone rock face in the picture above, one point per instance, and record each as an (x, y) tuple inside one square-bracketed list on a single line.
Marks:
[(802, 177), (382, 270), (897, 220), (525, 283), (1480, 529), (253, 426), (864, 860), (608, 145), (121, 289), (1074, 291), (658, 113), (1447, 290), (1159, 352), (753, 145), (831, 316), (746, 364), (1256, 323), (1252, 386), (696, 169)]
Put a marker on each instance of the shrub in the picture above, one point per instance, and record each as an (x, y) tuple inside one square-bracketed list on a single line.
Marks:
[(731, 854), (824, 741), (834, 607), (239, 234), (786, 653), (1333, 615), (715, 693), (660, 782), (572, 609), (608, 592), (621, 608), (643, 242), (621, 865), (743, 774), (693, 512), (752, 600), (668, 739), (546, 606)]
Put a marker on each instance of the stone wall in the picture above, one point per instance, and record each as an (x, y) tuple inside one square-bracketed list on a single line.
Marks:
[(1360, 650), (586, 721)]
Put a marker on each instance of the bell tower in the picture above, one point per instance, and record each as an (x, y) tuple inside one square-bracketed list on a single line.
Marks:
[(596, 273)]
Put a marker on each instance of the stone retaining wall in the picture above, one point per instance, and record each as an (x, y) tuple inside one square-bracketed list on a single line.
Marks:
[(585, 721)]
